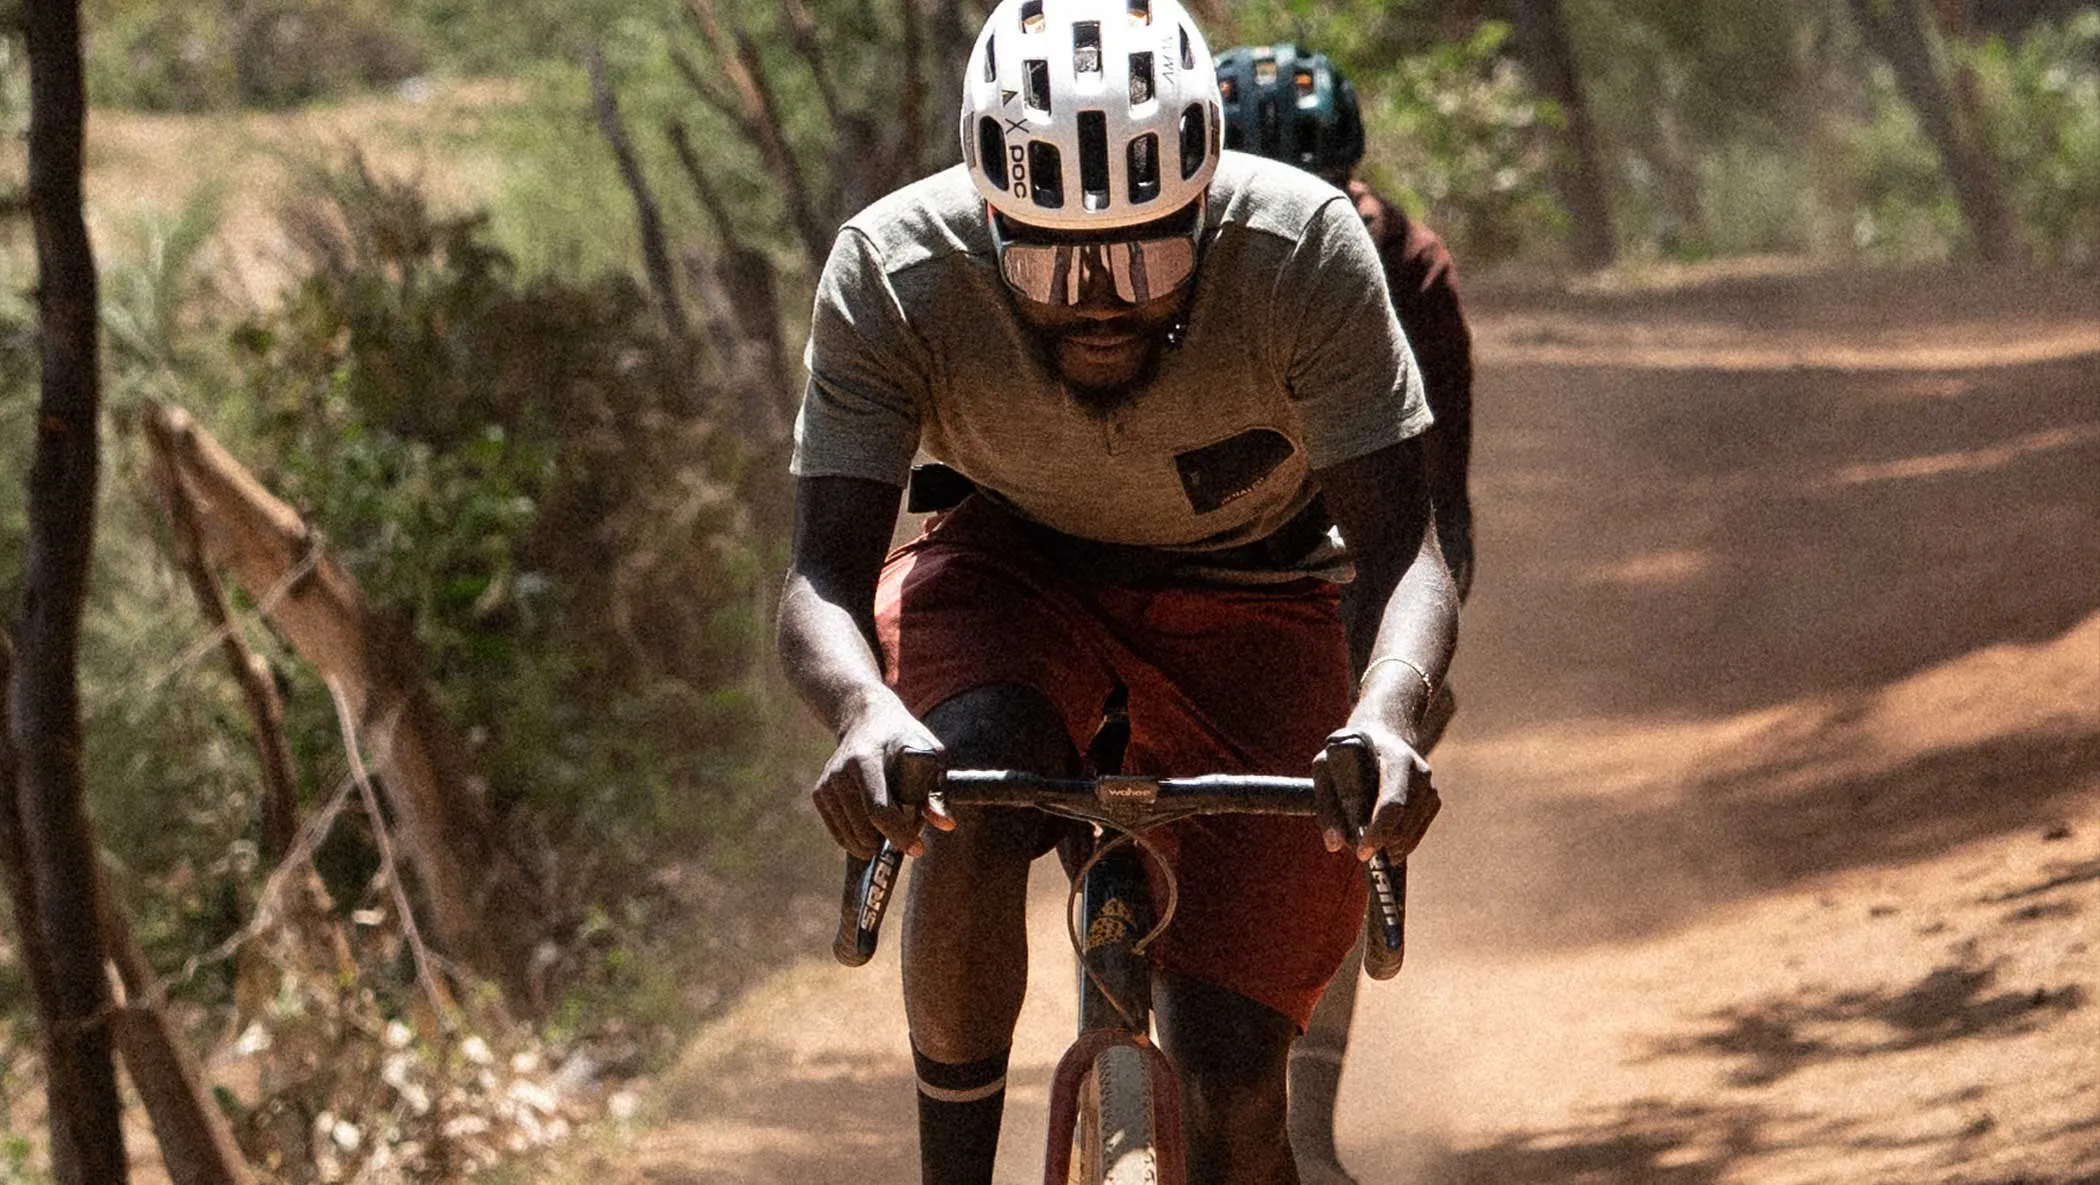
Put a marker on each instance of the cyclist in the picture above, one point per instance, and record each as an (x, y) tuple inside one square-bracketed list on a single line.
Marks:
[(1165, 370), (1296, 106)]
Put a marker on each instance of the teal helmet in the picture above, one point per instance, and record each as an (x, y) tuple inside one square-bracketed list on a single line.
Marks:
[(1284, 103)]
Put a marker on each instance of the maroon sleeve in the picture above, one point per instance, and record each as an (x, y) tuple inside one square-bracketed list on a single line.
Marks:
[(1424, 286)]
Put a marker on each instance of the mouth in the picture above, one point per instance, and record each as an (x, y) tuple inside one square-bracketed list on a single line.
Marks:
[(1102, 337)]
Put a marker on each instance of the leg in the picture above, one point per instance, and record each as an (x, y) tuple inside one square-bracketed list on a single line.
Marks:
[(965, 940), (1316, 1074), (1231, 1055)]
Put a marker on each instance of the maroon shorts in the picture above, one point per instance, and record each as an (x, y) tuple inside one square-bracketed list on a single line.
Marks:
[(1221, 680)]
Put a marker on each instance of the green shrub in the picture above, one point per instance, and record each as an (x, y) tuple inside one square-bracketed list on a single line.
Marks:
[(161, 56), (1904, 210), (521, 468), (2041, 97), (1460, 137)]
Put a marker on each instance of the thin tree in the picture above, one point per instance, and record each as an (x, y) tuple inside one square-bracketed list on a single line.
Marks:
[(1542, 43), (1904, 34), (54, 843)]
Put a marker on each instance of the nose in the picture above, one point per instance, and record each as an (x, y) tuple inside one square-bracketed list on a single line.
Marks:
[(1097, 286)]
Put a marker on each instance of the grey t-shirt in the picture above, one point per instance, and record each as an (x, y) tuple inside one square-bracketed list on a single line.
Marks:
[(1292, 361)]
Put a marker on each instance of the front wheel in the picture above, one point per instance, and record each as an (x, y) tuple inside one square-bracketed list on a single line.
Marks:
[(1115, 1143), (1115, 1114)]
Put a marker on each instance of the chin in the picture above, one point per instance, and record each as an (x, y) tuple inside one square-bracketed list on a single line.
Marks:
[(1101, 385)]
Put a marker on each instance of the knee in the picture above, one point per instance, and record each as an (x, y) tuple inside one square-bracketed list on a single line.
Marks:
[(1003, 726), (1232, 1055), (1234, 1086)]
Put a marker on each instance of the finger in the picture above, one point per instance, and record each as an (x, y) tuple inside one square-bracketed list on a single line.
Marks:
[(1419, 819), (838, 818), (897, 823), (852, 797), (1352, 767), (936, 813), (1399, 826), (1327, 810), (830, 815), (1402, 780), (900, 825)]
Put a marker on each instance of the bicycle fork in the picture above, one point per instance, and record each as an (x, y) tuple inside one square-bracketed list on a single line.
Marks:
[(1114, 1078)]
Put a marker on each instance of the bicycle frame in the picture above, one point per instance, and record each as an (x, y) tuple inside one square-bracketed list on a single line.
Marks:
[(1117, 918)]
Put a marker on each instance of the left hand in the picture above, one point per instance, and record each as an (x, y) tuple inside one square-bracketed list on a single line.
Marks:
[(1369, 770)]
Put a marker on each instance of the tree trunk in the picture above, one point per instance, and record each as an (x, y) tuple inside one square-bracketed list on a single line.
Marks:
[(1578, 174), (1903, 33), (87, 1138), (656, 257), (196, 1146)]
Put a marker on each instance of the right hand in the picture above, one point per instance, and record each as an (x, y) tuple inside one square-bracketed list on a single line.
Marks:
[(855, 793)]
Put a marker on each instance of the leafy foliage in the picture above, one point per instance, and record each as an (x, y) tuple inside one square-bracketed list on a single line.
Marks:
[(520, 468), (2041, 93), (260, 53), (1453, 129)]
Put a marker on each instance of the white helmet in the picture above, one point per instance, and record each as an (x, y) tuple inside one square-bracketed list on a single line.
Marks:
[(1090, 114)]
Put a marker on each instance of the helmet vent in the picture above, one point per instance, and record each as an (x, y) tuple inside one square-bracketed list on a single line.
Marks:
[(1046, 170), (1038, 84), (1086, 47), (1032, 16), (1140, 13), (1268, 125), (1194, 140), (1140, 79), (1093, 159), (991, 58), (1144, 168), (1188, 51), (991, 152)]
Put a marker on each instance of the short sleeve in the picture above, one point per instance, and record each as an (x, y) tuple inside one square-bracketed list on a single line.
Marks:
[(1352, 376), (867, 373)]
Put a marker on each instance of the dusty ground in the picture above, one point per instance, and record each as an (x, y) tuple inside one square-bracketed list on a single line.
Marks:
[(1772, 842)]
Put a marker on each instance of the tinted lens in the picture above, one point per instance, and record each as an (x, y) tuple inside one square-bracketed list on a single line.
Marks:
[(1039, 272), (1057, 273)]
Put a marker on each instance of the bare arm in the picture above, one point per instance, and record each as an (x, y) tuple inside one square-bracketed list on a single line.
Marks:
[(1402, 616), (1424, 286), (828, 649)]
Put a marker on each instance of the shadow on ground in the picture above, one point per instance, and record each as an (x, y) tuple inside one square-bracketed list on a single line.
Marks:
[(1701, 543), (1652, 1143), (836, 1119), (1772, 1039)]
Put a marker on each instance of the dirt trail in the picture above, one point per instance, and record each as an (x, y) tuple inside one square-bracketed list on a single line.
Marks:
[(1772, 842)]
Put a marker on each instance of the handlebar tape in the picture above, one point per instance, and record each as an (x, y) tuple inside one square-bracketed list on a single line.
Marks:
[(862, 902)]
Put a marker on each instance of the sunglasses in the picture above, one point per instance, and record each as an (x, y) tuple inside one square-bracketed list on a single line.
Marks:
[(1055, 268)]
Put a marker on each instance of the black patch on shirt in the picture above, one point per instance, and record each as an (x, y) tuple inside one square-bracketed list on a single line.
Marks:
[(1217, 473)]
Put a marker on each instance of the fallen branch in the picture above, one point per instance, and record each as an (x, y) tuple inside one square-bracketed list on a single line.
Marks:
[(280, 797), (480, 905), (196, 1146)]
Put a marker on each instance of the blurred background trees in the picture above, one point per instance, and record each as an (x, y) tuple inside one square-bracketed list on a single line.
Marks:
[(560, 471)]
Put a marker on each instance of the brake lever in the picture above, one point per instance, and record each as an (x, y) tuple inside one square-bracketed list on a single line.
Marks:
[(1354, 768)]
